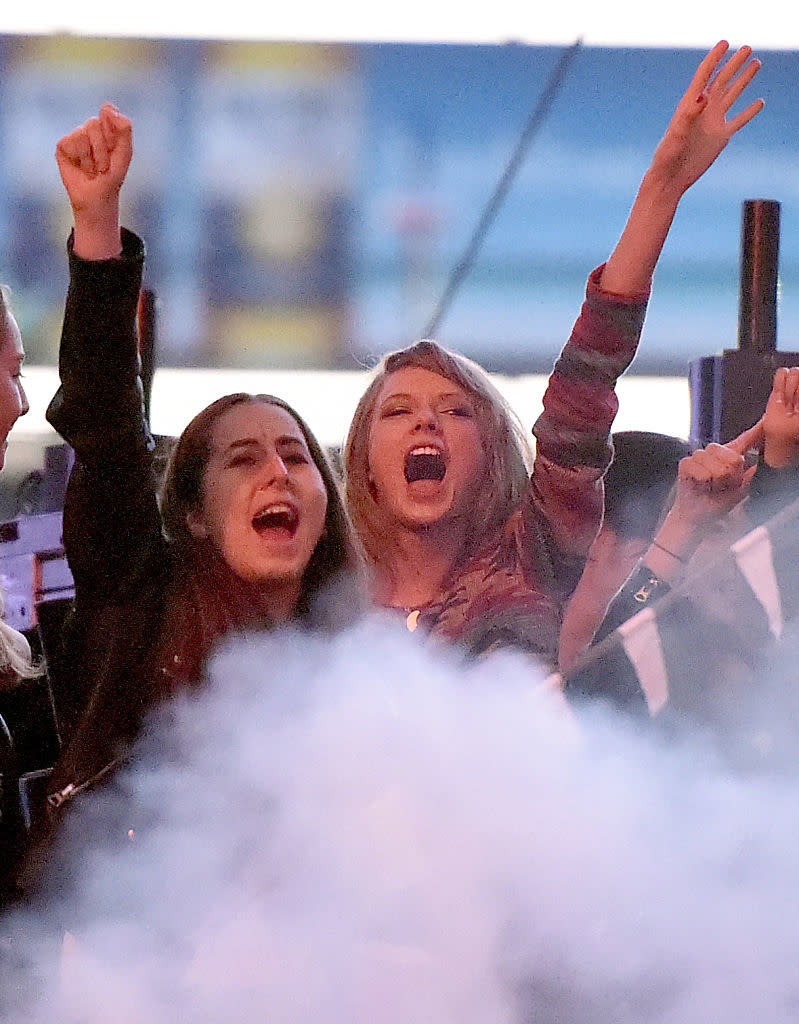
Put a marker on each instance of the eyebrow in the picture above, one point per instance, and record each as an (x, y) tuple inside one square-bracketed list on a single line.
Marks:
[(290, 439), (407, 396), (284, 441)]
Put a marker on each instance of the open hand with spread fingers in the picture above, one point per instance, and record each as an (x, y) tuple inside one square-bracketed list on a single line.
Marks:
[(701, 126), (699, 130)]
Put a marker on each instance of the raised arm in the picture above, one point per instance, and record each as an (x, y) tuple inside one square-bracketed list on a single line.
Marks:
[(93, 161), (710, 483), (697, 133), (781, 421), (715, 479), (112, 527), (573, 434)]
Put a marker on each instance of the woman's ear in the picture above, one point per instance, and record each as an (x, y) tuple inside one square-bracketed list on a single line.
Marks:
[(196, 525)]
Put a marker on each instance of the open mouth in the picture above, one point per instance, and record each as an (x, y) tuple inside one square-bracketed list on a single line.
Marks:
[(279, 517), (425, 463)]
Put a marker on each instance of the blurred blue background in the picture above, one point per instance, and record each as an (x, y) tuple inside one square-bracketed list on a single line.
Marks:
[(304, 204)]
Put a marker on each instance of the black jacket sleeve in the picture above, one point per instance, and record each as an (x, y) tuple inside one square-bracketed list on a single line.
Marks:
[(112, 529), (607, 673)]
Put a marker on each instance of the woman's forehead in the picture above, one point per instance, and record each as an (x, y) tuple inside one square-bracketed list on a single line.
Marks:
[(416, 380), (260, 421), (10, 337)]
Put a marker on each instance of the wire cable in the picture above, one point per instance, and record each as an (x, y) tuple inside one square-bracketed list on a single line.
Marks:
[(534, 122)]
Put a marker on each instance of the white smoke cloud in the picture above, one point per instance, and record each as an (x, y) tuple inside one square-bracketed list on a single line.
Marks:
[(363, 829)]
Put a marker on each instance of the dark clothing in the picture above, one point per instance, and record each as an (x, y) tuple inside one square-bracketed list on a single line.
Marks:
[(608, 675), (712, 628), (29, 746), (143, 618), (148, 610), (112, 527), (771, 490)]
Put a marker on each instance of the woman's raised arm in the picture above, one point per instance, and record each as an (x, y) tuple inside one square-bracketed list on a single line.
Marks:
[(697, 133), (93, 161)]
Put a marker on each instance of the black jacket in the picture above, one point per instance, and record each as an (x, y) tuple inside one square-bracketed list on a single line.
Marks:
[(119, 559)]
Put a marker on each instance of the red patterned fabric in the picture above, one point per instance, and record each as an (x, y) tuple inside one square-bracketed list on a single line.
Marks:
[(513, 592)]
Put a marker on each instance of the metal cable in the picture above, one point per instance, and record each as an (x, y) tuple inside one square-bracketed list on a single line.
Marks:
[(536, 119)]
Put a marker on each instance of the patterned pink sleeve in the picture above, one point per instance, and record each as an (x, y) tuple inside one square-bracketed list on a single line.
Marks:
[(573, 447)]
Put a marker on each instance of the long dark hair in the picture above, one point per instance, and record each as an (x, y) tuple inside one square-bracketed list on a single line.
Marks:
[(335, 552)]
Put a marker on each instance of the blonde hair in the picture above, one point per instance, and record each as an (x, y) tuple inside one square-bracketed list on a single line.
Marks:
[(508, 451), (15, 652)]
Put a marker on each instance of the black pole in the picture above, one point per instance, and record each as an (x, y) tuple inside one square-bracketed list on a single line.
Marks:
[(760, 250), (729, 391)]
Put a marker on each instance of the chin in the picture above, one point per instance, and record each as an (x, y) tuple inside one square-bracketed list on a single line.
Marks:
[(425, 520), (276, 575)]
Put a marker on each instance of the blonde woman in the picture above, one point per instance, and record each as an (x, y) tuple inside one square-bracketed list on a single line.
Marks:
[(463, 536)]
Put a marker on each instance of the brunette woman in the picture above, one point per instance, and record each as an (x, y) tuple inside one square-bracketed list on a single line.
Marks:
[(251, 532), (463, 534)]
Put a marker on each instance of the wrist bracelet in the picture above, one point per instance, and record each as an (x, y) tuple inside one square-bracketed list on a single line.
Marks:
[(666, 550)]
